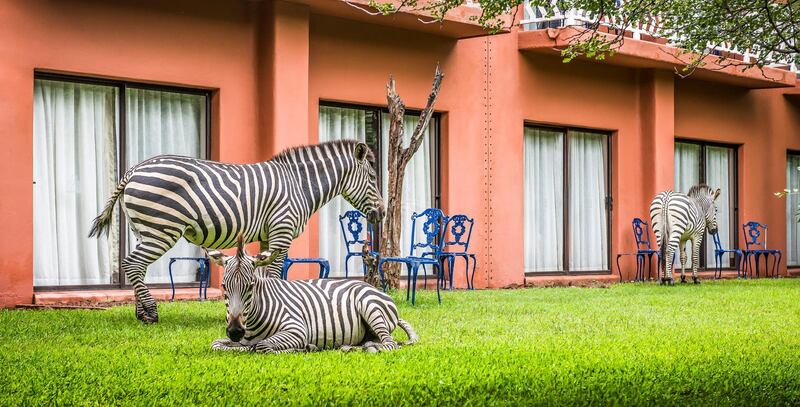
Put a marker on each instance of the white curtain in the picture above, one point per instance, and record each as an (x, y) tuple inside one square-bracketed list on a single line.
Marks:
[(418, 181), (587, 206), (337, 124), (687, 174), (74, 172), (544, 200), (719, 168), (165, 123), (792, 202), (687, 166)]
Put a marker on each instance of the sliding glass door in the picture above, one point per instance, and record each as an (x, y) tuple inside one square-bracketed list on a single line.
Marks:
[(75, 133), (86, 133), (714, 165), (567, 200), (420, 187), (792, 204)]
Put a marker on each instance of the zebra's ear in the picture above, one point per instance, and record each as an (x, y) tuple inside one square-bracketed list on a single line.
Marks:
[(263, 258), (361, 151), (217, 257), (716, 194)]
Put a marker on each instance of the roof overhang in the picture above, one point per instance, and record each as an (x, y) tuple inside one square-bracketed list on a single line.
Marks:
[(651, 55), (458, 23), (793, 94)]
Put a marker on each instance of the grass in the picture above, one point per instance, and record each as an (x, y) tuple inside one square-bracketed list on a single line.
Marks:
[(732, 342)]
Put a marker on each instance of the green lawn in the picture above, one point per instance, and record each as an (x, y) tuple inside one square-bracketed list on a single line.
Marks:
[(733, 342)]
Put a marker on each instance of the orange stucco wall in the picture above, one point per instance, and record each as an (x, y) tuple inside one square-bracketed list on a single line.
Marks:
[(269, 65), (200, 44)]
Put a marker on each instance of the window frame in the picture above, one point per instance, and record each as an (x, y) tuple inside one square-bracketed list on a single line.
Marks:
[(735, 194), (122, 86), (609, 200), (377, 128)]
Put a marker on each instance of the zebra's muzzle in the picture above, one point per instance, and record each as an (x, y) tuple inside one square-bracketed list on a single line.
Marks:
[(375, 215), (235, 330)]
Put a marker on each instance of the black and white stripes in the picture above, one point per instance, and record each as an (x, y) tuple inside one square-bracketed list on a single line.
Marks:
[(211, 203), (678, 218), (277, 316)]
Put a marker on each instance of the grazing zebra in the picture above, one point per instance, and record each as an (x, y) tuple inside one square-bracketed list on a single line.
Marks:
[(210, 203), (278, 316), (678, 218)]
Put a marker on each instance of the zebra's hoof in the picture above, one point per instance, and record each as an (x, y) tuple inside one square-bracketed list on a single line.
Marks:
[(695, 280), (148, 318), (683, 279)]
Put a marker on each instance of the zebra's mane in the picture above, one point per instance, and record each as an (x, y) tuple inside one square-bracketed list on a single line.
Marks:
[(700, 195), (699, 190), (289, 154)]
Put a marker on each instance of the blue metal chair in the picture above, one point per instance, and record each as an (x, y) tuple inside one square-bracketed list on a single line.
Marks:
[(641, 232), (354, 235), (457, 246), (719, 252), (423, 253), (752, 232), (205, 274), (324, 266)]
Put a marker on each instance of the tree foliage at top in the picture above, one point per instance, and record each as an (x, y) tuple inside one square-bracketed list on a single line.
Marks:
[(769, 30)]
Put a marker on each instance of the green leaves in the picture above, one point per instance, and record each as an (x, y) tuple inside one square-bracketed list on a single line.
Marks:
[(769, 31)]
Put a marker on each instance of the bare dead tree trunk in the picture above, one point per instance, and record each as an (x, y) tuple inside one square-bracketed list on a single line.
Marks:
[(398, 158)]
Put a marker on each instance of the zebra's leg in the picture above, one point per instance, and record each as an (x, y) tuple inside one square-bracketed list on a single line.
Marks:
[(368, 346), (672, 245), (682, 248), (226, 344), (286, 341), (378, 322), (278, 243), (275, 266), (135, 267), (696, 243)]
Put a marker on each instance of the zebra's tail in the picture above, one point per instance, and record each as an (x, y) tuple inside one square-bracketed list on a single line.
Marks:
[(412, 336), (102, 222)]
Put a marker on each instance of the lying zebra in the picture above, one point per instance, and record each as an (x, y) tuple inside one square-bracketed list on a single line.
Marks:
[(272, 315), (678, 218)]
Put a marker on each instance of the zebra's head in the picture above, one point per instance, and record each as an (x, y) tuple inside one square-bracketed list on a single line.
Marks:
[(361, 185), (706, 199), (237, 283)]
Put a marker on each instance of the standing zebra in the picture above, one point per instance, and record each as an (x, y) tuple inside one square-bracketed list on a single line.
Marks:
[(678, 218), (210, 203), (278, 316)]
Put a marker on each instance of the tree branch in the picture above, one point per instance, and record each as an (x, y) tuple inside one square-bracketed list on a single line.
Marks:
[(425, 116)]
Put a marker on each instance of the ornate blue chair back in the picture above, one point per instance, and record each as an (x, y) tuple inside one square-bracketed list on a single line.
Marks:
[(641, 232), (431, 221), (457, 233), (353, 231), (752, 234)]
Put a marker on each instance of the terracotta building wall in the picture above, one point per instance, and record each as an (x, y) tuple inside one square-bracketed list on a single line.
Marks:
[(269, 64), (204, 44)]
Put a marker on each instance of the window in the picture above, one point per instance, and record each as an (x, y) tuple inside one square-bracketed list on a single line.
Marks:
[(86, 133), (567, 200), (792, 202), (714, 165), (420, 187)]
